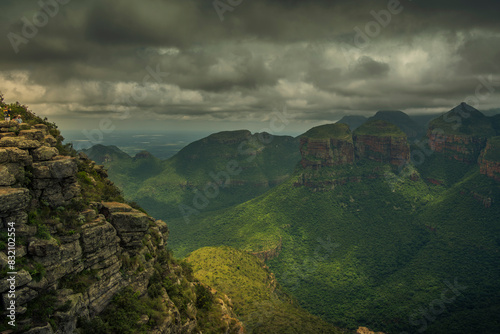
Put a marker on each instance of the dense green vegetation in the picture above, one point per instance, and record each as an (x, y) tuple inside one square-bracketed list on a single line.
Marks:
[(226, 168), (361, 245), (493, 152), (336, 131), (372, 252), (259, 303), (377, 127)]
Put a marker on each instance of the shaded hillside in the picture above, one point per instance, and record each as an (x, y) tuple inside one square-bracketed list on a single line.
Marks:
[(125, 171), (461, 133), (224, 169), (402, 121), (362, 244), (257, 298)]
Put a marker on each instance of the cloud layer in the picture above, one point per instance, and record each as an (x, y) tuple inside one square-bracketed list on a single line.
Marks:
[(177, 60)]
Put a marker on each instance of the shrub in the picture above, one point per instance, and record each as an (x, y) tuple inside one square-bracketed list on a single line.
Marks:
[(204, 298)]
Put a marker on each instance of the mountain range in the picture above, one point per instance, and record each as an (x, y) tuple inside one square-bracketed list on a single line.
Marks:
[(363, 226), (75, 257)]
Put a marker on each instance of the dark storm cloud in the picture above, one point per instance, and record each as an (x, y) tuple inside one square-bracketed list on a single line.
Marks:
[(179, 58), (367, 68)]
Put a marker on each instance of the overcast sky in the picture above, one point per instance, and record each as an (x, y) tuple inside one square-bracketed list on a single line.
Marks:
[(195, 64)]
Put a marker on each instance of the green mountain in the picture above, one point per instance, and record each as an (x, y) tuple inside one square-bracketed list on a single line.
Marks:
[(127, 172), (87, 262), (80, 259), (215, 172), (465, 120), (461, 134), (376, 127), (257, 298), (362, 241), (413, 126), (401, 120), (354, 121)]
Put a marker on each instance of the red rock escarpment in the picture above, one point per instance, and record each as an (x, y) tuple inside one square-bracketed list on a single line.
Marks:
[(462, 148), (326, 152), (488, 165), (394, 150)]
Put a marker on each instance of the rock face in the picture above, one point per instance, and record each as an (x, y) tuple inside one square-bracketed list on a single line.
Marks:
[(381, 141), (325, 152), (461, 133), (489, 160), (103, 246), (326, 146), (269, 254), (462, 148), (386, 149), (333, 144)]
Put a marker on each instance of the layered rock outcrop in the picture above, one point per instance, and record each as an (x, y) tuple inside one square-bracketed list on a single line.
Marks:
[(385, 149), (325, 152), (489, 160), (81, 252), (326, 146), (269, 254), (333, 144), (462, 148), (461, 133), (381, 141)]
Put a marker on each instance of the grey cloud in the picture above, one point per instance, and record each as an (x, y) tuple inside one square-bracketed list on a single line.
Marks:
[(264, 52), (368, 68)]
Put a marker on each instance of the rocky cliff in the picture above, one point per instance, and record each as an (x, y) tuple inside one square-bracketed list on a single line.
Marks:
[(463, 148), (79, 249), (334, 144), (326, 146), (489, 160), (381, 141), (461, 133)]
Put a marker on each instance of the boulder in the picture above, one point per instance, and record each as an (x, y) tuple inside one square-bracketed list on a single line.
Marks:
[(20, 142), (44, 153), (22, 278), (46, 252), (51, 141), (14, 155), (32, 134), (6, 178), (58, 168), (13, 199)]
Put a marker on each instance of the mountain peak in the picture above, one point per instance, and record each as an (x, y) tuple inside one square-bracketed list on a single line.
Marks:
[(464, 120), (465, 110)]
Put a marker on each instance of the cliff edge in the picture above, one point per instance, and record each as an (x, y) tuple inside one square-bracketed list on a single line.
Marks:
[(85, 261)]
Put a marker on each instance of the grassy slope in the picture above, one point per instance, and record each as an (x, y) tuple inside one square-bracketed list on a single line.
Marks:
[(377, 127), (337, 131), (364, 254), (261, 306)]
